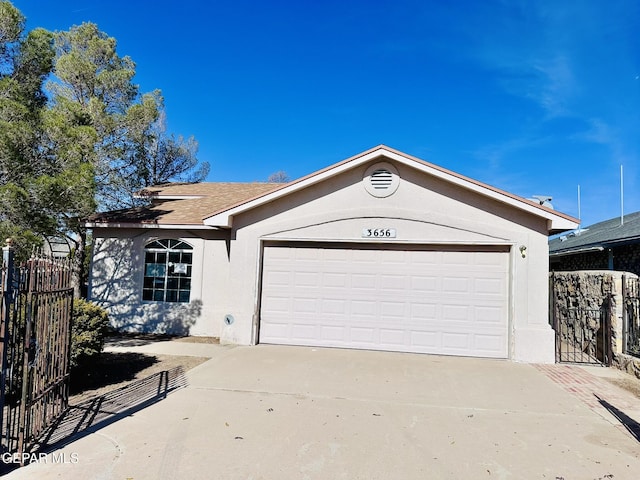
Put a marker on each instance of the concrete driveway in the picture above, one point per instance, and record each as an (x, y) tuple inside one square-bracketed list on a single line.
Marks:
[(271, 412)]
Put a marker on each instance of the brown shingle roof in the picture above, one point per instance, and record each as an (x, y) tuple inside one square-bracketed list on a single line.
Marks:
[(210, 197)]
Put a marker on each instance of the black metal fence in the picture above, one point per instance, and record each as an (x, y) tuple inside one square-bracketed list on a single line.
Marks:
[(35, 333), (631, 316)]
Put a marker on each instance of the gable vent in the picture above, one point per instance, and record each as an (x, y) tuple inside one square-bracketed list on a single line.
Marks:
[(381, 180)]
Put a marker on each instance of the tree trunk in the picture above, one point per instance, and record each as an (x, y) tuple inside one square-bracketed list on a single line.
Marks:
[(78, 256)]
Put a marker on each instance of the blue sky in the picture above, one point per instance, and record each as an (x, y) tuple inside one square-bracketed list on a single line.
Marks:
[(533, 97)]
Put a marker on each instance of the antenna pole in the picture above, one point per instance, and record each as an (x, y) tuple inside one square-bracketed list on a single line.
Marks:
[(579, 213), (621, 195)]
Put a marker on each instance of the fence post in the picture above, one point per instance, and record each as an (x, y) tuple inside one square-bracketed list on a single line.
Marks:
[(554, 318), (625, 322), (609, 332), (6, 304)]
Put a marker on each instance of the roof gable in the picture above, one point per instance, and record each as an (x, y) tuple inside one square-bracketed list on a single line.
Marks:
[(556, 221)]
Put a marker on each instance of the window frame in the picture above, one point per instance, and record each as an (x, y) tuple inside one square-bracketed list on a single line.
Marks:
[(165, 285)]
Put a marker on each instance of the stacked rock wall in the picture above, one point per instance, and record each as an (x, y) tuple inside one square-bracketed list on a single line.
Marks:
[(589, 292)]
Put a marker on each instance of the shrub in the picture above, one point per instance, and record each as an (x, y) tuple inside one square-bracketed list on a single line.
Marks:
[(89, 326)]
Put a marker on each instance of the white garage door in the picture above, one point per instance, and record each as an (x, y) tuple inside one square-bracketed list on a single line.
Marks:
[(442, 301)]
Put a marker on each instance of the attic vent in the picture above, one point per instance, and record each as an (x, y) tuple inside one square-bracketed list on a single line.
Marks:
[(381, 180)]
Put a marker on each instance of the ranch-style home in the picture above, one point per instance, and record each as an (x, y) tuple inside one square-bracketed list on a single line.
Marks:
[(381, 251)]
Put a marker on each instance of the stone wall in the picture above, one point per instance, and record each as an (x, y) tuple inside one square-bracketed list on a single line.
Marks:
[(589, 290), (627, 363)]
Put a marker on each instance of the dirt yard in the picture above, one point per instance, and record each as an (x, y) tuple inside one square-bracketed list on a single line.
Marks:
[(111, 371)]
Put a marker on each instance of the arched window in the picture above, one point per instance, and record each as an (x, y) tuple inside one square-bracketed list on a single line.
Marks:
[(167, 271)]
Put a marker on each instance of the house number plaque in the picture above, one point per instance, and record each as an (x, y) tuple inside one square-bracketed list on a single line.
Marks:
[(379, 233)]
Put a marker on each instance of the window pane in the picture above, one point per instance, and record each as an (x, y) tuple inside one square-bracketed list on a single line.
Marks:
[(155, 270), (161, 257), (174, 257), (147, 294), (172, 295), (172, 282), (148, 282), (158, 295), (184, 296), (149, 257), (186, 257), (185, 284), (180, 245)]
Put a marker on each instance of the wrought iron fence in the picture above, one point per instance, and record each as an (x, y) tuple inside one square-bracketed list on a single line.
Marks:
[(631, 316), (35, 328), (583, 335)]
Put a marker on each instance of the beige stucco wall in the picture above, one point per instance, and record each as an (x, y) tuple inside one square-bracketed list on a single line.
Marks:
[(117, 276), (422, 210)]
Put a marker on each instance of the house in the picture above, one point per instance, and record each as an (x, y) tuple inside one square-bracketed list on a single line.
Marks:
[(380, 251), (610, 245)]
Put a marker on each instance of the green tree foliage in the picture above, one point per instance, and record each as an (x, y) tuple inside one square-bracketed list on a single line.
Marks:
[(84, 141), (25, 61)]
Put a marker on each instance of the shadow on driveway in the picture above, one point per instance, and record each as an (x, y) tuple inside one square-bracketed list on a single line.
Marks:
[(629, 423), (95, 413)]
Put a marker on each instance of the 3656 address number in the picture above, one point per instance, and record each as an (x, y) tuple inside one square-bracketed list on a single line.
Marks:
[(379, 232)]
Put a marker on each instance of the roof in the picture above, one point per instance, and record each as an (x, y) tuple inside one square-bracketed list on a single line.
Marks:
[(556, 221), (599, 236), (206, 205), (181, 204), (172, 191)]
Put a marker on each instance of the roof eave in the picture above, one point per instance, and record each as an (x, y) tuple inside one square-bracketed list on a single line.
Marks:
[(556, 222), (167, 226), (574, 251)]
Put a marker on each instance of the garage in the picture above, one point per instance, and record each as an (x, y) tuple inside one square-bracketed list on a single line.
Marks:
[(438, 299)]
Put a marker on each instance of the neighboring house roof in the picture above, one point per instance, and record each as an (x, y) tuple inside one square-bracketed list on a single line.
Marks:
[(206, 205), (607, 234), (181, 204)]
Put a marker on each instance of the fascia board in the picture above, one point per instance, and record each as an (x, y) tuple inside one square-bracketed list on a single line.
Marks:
[(148, 226), (574, 251), (556, 221)]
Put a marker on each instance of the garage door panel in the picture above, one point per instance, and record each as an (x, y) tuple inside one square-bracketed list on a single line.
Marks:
[(455, 284), (304, 305), (455, 341), (392, 337), (340, 280), (277, 278), (447, 302), (422, 341), (305, 279), (488, 343), (488, 315), (280, 305), (363, 335)]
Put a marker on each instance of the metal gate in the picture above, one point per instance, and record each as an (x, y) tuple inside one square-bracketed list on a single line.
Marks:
[(35, 332), (631, 315), (584, 335)]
